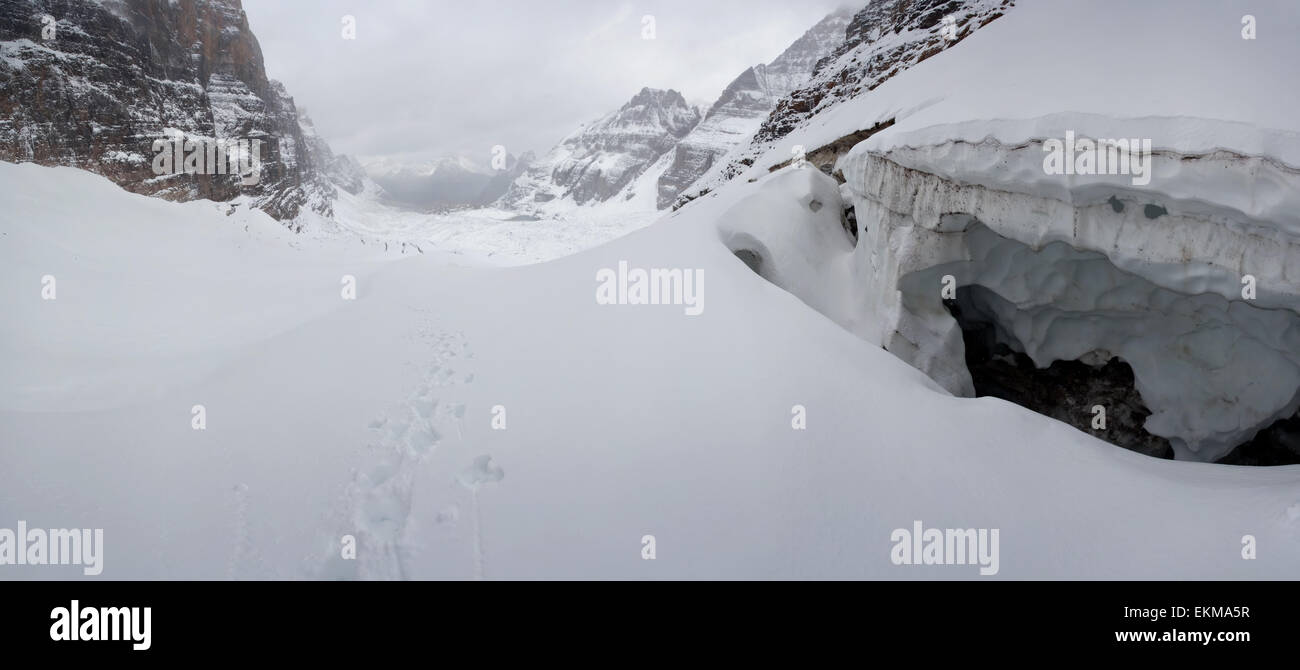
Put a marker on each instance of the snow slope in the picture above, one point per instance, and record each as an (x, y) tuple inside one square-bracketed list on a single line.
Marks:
[(373, 417)]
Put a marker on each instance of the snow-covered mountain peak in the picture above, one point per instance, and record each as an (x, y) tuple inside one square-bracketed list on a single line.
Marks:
[(796, 64), (747, 100), (608, 157), (385, 166), (598, 160), (652, 111)]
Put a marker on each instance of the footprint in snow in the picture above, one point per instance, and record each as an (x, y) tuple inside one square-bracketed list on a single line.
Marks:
[(482, 471), (381, 494)]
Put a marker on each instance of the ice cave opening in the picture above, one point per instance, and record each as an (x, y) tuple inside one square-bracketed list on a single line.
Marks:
[(751, 259), (1065, 390), (1062, 331)]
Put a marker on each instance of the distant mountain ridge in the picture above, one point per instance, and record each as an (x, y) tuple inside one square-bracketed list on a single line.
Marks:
[(446, 183), (657, 145), (597, 161), (745, 102)]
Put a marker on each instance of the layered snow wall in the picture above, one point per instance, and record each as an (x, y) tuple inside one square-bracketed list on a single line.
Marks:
[(1185, 270), (1185, 279)]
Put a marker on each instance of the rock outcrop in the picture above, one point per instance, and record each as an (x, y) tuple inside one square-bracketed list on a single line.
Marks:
[(93, 85), (885, 38)]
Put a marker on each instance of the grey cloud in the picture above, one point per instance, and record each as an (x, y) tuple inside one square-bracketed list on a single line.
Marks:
[(428, 78)]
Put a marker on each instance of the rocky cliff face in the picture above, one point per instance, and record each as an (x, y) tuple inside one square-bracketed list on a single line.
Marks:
[(883, 39), (93, 84), (341, 170), (597, 161), (736, 115), (797, 63)]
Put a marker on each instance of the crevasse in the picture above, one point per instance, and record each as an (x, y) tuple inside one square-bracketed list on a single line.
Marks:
[(1086, 267)]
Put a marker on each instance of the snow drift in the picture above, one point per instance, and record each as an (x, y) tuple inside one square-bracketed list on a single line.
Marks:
[(619, 421)]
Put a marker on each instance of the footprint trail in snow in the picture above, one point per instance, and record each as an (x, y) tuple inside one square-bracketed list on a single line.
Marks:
[(381, 491)]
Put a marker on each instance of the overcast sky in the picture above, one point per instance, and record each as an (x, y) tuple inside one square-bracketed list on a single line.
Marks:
[(430, 78)]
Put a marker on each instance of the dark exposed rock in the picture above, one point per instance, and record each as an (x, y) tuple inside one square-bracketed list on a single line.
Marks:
[(849, 220), (1279, 444), (824, 157), (877, 24), (1066, 390)]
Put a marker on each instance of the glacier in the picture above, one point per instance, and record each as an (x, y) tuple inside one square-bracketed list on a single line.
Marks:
[(1085, 266)]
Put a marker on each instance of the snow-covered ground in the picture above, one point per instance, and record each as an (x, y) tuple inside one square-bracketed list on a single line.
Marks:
[(488, 236), (328, 417), (476, 411)]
